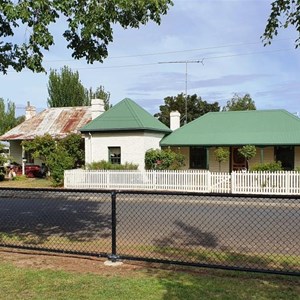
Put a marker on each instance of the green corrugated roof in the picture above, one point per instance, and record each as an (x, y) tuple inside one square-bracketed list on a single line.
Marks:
[(125, 116), (256, 127)]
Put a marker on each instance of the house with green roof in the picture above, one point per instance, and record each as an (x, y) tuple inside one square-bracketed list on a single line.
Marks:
[(274, 133), (123, 134)]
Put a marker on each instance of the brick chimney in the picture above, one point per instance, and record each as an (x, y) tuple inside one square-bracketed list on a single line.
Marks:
[(174, 120), (97, 108), (30, 111)]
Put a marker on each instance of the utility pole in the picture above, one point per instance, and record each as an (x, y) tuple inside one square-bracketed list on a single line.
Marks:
[(186, 62)]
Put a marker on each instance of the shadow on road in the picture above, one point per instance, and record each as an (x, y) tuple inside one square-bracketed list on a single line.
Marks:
[(76, 220), (187, 235)]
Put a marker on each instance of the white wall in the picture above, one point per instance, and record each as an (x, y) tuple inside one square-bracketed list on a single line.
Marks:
[(16, 151), (133, 146)]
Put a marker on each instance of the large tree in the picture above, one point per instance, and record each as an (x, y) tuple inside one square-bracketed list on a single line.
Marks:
[(87, 27), (284, 13), (8, 117), (240, 103), (196, 107), (65, 89)]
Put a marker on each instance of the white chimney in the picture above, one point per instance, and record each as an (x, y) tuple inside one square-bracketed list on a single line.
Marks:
[(30, 111), (97, 108), (174, 120)]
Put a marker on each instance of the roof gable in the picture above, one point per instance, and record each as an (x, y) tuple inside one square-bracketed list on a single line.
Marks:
[(257, 127), (56, 121), (125, 116)]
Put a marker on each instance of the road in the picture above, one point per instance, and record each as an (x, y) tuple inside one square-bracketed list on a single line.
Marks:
[(243, 225)]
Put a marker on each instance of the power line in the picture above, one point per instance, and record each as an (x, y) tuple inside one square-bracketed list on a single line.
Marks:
[(155, 63), (172, 52)]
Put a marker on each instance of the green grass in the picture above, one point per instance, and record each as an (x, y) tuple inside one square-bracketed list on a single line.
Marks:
[(23, 182), (28, 283), (254, 260)]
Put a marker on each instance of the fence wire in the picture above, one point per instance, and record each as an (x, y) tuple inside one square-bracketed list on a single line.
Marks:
[(257, 233), (55, 220)]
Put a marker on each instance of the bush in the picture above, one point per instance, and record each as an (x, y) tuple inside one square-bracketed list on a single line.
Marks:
[(106, 165), (271, 167), (59, 161), (157, 159)]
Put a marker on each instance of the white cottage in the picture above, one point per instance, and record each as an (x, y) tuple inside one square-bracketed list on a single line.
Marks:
[(123, 134)]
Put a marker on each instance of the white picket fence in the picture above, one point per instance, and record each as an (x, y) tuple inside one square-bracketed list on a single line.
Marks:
[(186, 180), (278, 183)]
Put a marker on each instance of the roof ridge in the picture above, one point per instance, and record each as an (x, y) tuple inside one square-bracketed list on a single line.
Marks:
[(136, 116)]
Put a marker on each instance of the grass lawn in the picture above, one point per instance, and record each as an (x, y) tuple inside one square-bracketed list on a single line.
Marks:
[(147, 283), (23, 182)]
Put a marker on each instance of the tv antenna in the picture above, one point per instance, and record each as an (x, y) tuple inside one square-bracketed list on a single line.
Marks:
[(186, 62)]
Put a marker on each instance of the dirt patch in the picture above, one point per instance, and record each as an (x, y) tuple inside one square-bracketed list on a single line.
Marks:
[(69, 263), (87, 264)]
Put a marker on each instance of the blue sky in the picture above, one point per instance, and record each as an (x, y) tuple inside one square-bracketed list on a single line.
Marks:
[(224, 34)]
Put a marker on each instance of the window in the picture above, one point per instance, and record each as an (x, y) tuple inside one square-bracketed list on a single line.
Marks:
[(28, 157), (287, 157), (198, 158), (114, 154)]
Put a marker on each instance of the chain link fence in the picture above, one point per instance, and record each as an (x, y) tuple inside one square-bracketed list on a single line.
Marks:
[(257, 233)]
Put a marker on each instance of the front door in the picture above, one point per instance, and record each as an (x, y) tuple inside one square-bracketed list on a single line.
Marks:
[(286, 155), (238, 162)]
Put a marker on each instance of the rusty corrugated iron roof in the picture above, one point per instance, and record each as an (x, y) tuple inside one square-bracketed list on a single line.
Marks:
[(57, 121)]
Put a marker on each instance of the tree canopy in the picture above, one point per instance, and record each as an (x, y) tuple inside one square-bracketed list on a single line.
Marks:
[(240, 103), (87, 27), (196, 107), (284, 13), (100, 93), (65, 89), (8, 118)]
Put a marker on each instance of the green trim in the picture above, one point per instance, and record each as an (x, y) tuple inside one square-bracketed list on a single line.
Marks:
[(262, 155), (207, 158)]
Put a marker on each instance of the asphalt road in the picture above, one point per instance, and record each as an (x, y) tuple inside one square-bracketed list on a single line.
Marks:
[(222, 224)]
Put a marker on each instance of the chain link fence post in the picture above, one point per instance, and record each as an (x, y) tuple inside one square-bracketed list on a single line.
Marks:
[(113, 257)]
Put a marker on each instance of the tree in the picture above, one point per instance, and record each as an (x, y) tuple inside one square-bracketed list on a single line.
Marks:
[(65, 89), (88, 27), (58, 155), (100, 93), (283, 14), (240, 103), (196, 107), (8, 119), (74, 145), (221, 155), (40, 147), (248, 152)]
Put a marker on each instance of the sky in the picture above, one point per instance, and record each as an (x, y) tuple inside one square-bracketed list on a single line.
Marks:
[(220, 38)]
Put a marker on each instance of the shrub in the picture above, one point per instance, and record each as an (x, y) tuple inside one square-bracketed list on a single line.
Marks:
[(221, 155), (157, 159), (59, 161), (106, 165), (271, 167)]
